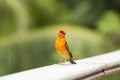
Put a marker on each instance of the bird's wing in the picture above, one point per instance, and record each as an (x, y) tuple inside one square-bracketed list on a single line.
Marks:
[(66, 45)]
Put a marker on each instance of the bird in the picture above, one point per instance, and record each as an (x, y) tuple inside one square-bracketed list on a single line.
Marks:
[(62, 47)]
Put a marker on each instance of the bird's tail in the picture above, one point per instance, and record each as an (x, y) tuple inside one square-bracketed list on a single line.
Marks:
[(72, 62)]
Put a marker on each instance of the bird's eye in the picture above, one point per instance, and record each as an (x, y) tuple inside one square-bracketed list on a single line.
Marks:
[(61, 32)]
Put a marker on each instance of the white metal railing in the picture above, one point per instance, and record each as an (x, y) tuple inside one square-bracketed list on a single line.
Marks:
[(86, 69)]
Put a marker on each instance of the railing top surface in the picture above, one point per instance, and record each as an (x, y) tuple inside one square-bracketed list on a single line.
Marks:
[(84, 69)]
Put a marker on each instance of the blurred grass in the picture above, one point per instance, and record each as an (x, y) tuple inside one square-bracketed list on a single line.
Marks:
[(36, 48), (114, 76)]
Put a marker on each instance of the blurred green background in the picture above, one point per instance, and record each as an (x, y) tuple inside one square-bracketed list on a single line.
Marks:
[(28, 29)]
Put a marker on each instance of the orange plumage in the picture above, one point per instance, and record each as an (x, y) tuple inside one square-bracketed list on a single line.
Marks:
[(62, 47)]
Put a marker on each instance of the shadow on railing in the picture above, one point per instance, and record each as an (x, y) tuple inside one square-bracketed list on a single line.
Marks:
[(86, 69)]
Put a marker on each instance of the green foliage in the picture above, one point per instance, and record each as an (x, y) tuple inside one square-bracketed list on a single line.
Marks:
[(17, 15), (109, 25), (37, 49), (7, 19), (87, 12), (24, 14), (47, 12)]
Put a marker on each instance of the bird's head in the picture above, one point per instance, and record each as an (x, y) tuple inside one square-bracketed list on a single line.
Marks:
[(61, 33)]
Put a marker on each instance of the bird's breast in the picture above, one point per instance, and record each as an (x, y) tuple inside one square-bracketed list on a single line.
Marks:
[(61, 48), (60, 45)]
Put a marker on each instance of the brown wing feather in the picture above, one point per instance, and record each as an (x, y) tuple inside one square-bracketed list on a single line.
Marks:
[(68, 50)]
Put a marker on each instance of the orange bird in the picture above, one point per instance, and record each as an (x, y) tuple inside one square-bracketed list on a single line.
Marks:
[(62, 47)]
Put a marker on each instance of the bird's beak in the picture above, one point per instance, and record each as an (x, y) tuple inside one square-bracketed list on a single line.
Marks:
[(64, 33)]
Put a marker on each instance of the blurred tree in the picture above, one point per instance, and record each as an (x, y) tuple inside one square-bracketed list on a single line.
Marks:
[(87, 12), (46, 12), (38, 13), (7, 19), (21, 15), (13, 17), (109, 25)]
